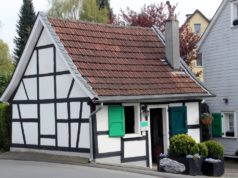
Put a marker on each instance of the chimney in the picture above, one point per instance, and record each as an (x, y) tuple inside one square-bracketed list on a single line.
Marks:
[(172, 51)]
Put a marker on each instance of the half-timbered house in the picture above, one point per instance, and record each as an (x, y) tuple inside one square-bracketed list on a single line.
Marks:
[(111, 94)]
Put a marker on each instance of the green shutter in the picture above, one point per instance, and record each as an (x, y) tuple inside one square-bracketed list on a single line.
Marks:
[(116, 121), (178, 120), (216, 124)]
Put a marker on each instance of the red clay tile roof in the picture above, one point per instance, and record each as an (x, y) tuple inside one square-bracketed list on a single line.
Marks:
[(121, 61)]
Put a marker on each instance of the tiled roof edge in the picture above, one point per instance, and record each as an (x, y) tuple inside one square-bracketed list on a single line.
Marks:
[(68, 59), (159, 34)]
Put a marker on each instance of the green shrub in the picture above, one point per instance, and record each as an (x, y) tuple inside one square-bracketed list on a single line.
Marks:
[(181, 145), (203, 151), (195, 150), (215, 149), (5, 115)]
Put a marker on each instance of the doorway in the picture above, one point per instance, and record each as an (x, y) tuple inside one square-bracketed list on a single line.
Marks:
[(156, 127)]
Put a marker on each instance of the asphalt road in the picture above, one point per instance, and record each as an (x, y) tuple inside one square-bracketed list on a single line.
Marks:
[(31, 169)]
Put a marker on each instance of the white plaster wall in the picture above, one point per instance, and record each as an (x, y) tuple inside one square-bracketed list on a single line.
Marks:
[(44, 39), (31, 88), (31, 133), (28, 111), (20, 94), (77, 91), (62, 111), (195, 134), (86, 111), (63, 134), (74, 133), (46, 87), (47, 119), (31, 69), (134, 148), (102, 119), (107, 144), (192, 113), (63, 83), (84, 140), (15, 114), (17, 133), (175, 104), (60, 64), (74, 110), (46, 60), (47, 142)]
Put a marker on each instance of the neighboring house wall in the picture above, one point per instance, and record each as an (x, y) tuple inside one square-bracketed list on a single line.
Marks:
[(220, 62), (49, 109), (136, 149)]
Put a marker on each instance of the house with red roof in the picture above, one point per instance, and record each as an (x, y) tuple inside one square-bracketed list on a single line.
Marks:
[(111, 94)]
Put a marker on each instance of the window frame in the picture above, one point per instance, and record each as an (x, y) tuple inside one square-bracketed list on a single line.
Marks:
[(197, 64), (137, 120), (200, 26), (226, 122), (234, 12)]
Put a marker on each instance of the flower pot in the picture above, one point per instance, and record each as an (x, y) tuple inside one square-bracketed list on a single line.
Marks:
[(213, 169), (206, 121)]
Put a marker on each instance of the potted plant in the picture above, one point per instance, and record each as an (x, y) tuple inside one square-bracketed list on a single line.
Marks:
[(206, 119), (214, 164), (184, 149)]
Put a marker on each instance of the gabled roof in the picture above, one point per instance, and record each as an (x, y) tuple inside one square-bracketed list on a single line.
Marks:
[(212, 22), (109, 61), (195, 12)]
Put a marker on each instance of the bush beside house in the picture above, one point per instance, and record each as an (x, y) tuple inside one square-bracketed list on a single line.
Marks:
[(5, 115)]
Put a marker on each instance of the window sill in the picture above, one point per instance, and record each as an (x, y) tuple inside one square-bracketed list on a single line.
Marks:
[(132, 136), (225, 137)]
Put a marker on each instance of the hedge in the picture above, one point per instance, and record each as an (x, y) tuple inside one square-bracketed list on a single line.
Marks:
[(5, 115)]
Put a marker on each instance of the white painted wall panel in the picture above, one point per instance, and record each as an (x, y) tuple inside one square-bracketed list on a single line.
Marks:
[(20, 94), (102, 119), (62, 111), (46, 87), (44, 39), (74, 110), (77, 92), (31, 133), (63, 85), (175, 104), (195, 134), (134, 148), (46, 60), (60, 64), (15, 113), (28, 111), (31, 88), (47, 120), (47, 142), (63, 134), (86, 110), (84, 140), (74, 133), (17, 133), (31, 69), (107, 144), (192, 113)]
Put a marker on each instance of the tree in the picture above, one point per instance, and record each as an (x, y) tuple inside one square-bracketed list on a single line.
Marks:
[(24, 26), (157, 14)]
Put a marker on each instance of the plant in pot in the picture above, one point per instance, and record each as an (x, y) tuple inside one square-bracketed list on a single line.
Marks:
[(182, 145), (206, 119), (214, 164)]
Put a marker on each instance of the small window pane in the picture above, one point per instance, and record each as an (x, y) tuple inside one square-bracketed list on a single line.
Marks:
[(231, 122), (197, 28), (199, 59), (129, 119)]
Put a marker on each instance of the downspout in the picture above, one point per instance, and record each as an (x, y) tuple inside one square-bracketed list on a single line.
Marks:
[(91, 130)]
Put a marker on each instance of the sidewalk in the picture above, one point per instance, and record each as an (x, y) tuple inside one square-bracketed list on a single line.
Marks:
[(231, 166)]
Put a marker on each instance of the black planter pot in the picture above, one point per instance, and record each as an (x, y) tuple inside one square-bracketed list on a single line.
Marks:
[(213, 169), (235, 22), (193, 166)]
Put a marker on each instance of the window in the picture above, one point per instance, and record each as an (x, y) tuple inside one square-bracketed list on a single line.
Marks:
[(199, 59), (197, 28), (124, 120), (234, 13), (228, 124)]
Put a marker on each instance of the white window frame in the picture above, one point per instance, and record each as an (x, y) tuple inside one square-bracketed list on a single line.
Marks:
[(137, 120), (225, 122), (234, 12)]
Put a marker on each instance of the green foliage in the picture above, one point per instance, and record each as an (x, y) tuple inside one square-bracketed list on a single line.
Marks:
[(215, 149), (5, 115), (4, 80), (5, 60), (181, 145), (24, 26), (195, 150), (203, 151)]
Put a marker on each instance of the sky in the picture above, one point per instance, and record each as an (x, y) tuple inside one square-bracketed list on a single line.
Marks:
[(9, 12)]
